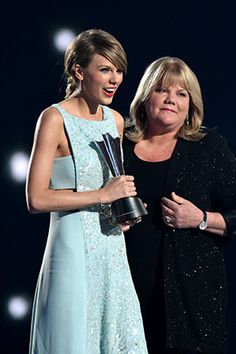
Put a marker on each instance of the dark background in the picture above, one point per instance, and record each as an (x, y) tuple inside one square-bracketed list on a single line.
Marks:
[(201, 33)]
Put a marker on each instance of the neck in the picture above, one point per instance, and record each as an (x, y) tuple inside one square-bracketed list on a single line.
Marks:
[(156, 147), (88, 109), (160, 132), (161, 139)]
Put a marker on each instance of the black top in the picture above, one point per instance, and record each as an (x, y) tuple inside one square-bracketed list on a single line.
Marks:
[(145, 238), (193, 294), (144, 242)]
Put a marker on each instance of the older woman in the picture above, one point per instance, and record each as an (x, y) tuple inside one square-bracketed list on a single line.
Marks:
[(187, 176)]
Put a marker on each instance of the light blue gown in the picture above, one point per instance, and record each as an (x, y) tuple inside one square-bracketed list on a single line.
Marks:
[(85, 302)]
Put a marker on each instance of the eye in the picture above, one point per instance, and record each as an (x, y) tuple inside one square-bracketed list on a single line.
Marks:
[(120, 71), (182, 94), (161, 90), (104, 70)]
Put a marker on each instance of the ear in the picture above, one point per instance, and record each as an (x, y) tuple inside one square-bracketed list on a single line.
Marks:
[(78, 72)]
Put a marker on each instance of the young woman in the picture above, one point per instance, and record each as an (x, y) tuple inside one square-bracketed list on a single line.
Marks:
[(85, 302)]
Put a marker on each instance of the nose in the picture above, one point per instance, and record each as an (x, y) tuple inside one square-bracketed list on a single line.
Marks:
[(170, 99), (115, 78)]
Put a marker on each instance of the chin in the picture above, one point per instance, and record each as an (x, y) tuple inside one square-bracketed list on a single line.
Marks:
[(106, 101)]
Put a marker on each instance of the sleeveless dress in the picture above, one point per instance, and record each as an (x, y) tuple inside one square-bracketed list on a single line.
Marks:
[(85, 302)]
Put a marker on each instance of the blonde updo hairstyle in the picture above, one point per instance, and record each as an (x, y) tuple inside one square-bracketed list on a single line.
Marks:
[(83, 48), (165, 72)]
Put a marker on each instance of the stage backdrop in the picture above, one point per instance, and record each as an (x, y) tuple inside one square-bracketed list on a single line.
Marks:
[(201, 34)]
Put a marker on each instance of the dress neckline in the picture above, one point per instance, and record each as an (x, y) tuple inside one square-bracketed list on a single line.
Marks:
[(150, 162), (82, 118)]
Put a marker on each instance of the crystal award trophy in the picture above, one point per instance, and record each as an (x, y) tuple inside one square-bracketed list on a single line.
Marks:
[(125, 210)]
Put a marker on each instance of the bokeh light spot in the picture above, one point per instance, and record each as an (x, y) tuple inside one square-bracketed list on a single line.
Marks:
[(18, 166), (18, 307), (62, 38)]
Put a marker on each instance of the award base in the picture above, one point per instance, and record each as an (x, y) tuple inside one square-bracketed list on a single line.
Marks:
[(128, 210)]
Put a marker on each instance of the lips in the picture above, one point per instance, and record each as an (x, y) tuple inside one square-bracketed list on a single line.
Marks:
[(168, 110), (109, 91)]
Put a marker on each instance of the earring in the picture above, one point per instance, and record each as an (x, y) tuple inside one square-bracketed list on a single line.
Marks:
[(187, 120)]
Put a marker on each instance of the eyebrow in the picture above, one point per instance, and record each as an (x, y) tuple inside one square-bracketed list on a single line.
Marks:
[(167, 88)]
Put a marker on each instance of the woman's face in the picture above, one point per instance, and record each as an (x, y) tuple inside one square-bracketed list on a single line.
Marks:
[(168, 107), (100, 80)]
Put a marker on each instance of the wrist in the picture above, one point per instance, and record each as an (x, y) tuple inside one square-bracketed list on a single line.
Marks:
[(203, 224), (103, 199), (101, 196)]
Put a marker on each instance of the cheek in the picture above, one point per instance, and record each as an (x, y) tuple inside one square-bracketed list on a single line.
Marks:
[(153, 108), (92, 84), (186, 106), (95, 79), (183, 112), (152, 104), (148, 109), (119, 79)]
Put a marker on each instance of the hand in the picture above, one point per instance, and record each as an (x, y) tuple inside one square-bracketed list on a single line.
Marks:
[(180, 213), (118, 187), (127, 225)]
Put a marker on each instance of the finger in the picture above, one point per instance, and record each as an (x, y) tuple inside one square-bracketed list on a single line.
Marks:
[(129, 178), (125, 228), (166, 211), (169, 203), (177, 198), (168, 221), (134, 221)]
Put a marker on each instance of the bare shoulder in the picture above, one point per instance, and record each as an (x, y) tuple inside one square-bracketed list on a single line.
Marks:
[(49, 127), (119, 121), (50, 116), (117, 115)]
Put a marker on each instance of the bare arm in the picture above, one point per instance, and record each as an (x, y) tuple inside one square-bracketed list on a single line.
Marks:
[(48, 137)]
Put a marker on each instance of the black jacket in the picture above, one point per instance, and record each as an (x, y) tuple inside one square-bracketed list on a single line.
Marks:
[(204, 172)]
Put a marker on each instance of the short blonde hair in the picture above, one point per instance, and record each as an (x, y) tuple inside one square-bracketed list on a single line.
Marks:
[(167, 71), (82, 50)]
